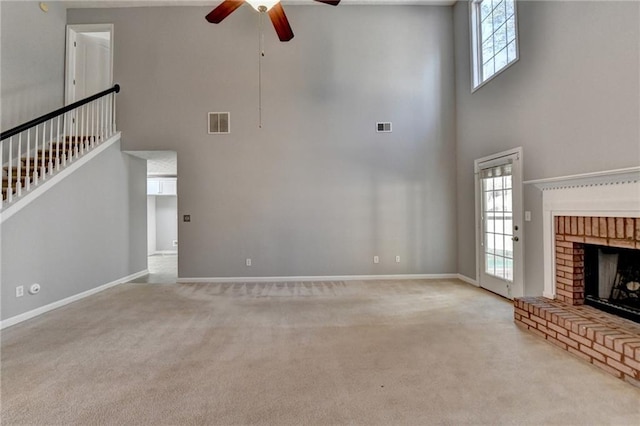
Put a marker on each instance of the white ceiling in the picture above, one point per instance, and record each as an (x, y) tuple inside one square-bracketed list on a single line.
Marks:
[(149, 3)]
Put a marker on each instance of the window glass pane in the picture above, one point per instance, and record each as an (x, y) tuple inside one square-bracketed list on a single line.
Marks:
[(510, 7), (486, 29), (508, 202), (497, 183), (508, 269), (508, 247), (500, 224), (485, 9), (490, 244), (507, 182), (500, 39), (488, 184), (511, 29), (498, 266), (511, 51), (487, 69), (499, 15), (488, 201), (489, 267), (500, 245), (487, 50), (501, 60)]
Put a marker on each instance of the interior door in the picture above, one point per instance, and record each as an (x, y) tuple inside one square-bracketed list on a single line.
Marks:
[(499, 195), (92, 65), (89, 60), (88, 70)]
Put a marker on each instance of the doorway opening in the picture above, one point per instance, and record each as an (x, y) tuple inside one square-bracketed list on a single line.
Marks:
[(162, 216)]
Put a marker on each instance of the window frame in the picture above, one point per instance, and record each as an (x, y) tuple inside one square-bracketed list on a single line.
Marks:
[(476, 45)]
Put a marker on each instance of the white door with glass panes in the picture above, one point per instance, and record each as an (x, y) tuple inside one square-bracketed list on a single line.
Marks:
[(499, 224)]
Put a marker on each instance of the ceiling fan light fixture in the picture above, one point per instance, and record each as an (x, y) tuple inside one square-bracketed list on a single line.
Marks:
[(266, 5)]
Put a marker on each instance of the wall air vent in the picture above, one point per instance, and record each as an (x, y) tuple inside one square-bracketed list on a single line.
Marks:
[(219, 123), (383, 127)]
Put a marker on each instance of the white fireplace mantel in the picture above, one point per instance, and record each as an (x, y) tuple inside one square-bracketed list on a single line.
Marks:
[(614, 193)]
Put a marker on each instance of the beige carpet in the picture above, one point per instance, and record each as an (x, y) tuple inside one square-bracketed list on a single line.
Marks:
[(387, 353)]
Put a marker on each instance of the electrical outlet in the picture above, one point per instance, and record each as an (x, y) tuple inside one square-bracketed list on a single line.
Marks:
[(248, 262), (397, 259), (20, 291), (175, 243), (527, 216), (376, 259)]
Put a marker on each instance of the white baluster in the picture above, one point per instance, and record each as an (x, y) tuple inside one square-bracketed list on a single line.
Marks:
[(101, 119), (107, 124), (64, 139), (19, 165), (10, 171), (33, 170), (96, 130), (43, 151), (114, 112), (58, 143), (28, 169), (77, 133), (82, 130), (85, 113), (93, 124), (51, 147), (105, 115)]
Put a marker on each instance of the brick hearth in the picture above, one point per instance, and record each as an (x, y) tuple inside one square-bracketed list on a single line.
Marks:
[(604, 340)]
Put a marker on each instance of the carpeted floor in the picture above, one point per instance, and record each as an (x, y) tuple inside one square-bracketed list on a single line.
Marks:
[(383, 352)]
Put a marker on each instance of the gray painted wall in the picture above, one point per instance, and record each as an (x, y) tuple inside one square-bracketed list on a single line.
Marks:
[(32, 45), (151, 224), (86, 231), (166, 222), (316, 191), (572, 103)]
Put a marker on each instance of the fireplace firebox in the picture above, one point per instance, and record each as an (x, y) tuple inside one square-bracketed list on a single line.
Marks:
[(612, 280)]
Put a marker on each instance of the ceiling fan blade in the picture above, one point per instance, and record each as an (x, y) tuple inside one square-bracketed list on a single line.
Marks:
[(223, 10), (280, 22), (331, 2)]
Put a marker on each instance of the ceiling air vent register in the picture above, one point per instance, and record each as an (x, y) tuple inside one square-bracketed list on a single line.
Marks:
[(383, 127), (219, 123)]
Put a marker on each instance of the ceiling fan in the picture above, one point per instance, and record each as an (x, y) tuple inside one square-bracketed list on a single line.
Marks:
[(272, 7)]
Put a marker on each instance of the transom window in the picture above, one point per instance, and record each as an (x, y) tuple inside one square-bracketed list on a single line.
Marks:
[(494, 38)]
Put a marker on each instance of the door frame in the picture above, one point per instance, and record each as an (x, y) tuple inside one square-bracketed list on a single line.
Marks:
[(518, 205), (70, 55)]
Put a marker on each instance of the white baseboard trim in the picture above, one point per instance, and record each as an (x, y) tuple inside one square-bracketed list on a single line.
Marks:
[(468, 280), (60, 303), (318, 278), (45, 185)]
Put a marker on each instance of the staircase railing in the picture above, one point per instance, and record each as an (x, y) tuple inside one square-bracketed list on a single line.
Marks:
[(36, 150)]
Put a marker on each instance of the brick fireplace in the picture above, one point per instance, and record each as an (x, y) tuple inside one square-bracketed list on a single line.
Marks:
[(598, 210), (571, 235)]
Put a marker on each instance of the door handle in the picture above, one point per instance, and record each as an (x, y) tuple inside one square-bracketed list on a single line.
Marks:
[(515, 239)]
